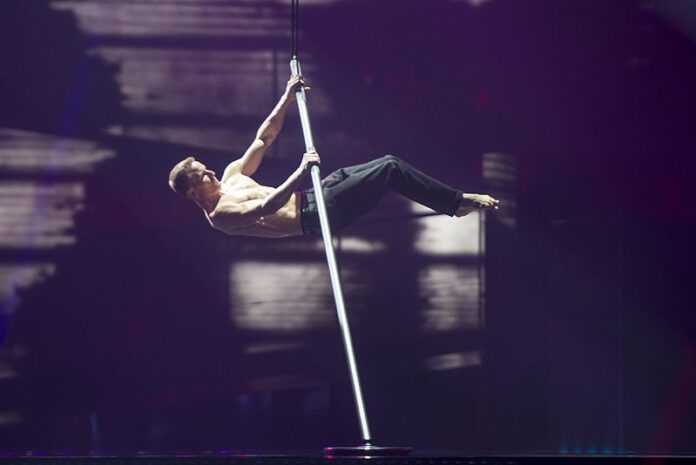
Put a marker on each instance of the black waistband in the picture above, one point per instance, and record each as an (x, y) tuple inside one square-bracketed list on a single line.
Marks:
[(307, 209)]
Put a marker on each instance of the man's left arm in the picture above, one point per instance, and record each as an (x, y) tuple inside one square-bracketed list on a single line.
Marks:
[(266, 134)]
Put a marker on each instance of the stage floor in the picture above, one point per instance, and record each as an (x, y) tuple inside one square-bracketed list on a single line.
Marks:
[(416, 458)]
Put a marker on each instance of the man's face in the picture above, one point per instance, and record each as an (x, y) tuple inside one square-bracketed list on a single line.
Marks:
[(203, 181)]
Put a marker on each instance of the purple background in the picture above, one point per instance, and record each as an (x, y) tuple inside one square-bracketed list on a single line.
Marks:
[(116, 331)]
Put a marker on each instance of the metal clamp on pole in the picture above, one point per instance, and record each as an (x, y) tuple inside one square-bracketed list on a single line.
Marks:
[(330, 256)]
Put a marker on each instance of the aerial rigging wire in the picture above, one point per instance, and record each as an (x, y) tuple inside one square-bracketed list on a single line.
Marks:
[(295, 26)]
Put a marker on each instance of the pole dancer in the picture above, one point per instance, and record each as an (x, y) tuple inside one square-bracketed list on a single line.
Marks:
[(237, 205)]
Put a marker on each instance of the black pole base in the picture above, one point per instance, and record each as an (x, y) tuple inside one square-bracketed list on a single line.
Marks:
[(366, 450)]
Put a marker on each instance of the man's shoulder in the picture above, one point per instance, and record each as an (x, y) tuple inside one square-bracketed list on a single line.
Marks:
[(238, 181), (232, 170)]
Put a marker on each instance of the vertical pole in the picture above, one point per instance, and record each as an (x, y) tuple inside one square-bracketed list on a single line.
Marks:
[(330, 257)]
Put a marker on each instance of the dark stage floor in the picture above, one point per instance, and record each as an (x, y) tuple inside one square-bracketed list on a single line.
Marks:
[(417, 458)]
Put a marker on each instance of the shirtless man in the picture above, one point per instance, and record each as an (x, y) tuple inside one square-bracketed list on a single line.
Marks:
[(238, 205)]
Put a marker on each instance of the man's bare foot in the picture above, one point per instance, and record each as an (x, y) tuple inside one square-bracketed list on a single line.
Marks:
[(474, 202)]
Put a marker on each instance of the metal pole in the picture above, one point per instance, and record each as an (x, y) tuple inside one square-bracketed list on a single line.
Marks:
[(330, 257)]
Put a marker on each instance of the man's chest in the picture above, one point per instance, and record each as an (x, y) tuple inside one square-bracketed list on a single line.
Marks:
[(241, 188)]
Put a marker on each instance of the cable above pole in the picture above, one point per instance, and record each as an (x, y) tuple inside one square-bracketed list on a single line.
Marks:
[(295, 27)]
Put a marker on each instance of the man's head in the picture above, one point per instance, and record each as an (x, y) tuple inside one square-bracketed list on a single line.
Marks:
[(192, 180)]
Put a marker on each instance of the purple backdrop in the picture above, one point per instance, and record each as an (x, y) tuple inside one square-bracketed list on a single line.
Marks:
[(562, 324)]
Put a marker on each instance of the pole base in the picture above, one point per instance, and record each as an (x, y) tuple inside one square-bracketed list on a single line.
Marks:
[(366, 450)]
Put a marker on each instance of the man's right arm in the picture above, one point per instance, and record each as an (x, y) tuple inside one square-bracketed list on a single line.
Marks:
[(266, 134)]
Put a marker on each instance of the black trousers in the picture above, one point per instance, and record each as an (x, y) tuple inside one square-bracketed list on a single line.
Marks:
[(349, 192)]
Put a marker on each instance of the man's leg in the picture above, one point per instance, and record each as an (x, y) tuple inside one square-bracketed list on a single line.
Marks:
[(342, 173), (355, 190)]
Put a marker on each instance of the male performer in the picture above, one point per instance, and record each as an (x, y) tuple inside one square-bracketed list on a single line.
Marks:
[(239, 205)]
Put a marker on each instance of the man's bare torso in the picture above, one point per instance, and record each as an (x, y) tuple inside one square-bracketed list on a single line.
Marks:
[(240, 189)]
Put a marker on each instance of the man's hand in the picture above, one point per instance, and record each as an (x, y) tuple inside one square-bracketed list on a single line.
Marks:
[(294, 85), (309, 159)]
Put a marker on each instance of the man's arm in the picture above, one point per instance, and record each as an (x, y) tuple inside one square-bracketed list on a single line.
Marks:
[(242, 214), (266, 134)]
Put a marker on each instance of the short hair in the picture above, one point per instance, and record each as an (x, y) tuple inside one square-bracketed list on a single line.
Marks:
[(179, 176)]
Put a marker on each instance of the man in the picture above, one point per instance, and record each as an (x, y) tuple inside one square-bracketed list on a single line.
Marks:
[(238, 205)]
